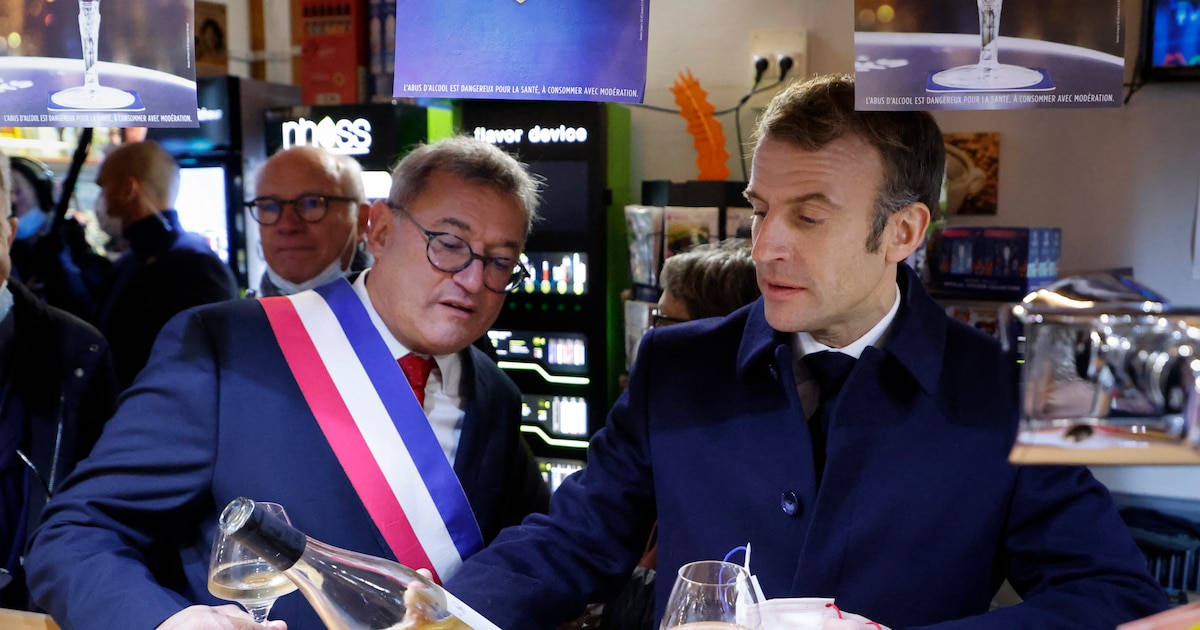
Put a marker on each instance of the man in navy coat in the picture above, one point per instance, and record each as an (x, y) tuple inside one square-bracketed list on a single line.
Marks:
[(895, 496), (231, 404), (165, 269)]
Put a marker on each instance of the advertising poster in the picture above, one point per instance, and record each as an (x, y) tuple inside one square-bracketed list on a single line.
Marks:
[(988, 54), (522, 49), (212, 52), (87, 63), (972, 172)]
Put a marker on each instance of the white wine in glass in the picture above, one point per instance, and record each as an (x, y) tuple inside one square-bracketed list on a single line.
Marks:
[(237, 574), (91, 95), (989, 73), (711, 595)]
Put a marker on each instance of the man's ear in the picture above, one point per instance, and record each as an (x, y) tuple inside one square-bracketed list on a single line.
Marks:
[(130, 190), (906, 231), (380, 226)]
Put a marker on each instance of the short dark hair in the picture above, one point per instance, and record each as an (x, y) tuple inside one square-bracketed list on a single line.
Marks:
[(712, 279), (811, 114)]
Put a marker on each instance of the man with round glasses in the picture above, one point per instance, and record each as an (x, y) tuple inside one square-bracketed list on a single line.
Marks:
[(312, 217), (362, 407)]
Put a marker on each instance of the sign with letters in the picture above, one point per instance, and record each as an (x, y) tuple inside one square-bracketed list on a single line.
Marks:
[(522, 49), (988, 54), (64, 66)]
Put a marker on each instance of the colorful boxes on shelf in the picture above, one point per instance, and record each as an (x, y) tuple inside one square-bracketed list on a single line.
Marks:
[(996, 262)]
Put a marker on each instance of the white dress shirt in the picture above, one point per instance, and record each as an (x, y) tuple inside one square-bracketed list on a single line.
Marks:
[(443, 402)]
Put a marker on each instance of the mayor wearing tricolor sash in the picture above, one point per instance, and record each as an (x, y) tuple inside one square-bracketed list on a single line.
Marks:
[(360, 406)]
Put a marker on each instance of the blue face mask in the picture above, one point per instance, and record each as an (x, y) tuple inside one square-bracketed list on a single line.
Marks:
[(6, 300), (30, 223)]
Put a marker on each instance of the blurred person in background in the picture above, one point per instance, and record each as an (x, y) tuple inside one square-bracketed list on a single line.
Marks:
[(312, 215), (165, 270), (57, 388), (288, 399), (53, 259), (709, 280)]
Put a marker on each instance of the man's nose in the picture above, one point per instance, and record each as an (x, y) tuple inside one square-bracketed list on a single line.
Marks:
[(289, 217), (471, 278)]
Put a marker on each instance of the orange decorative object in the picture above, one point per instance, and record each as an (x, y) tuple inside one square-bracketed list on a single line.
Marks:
[(702, 124)]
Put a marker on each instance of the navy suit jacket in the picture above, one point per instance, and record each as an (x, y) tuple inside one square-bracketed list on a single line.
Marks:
[(918, 519), (214, 416)]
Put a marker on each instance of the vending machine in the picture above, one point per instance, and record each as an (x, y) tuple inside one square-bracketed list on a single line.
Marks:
[(218, 157), (560, 334)]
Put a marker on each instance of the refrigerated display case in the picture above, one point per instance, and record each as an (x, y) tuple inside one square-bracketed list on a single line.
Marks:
[(559, 335)]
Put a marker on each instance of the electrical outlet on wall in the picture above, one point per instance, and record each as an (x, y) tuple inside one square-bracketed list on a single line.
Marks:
[(771, 46)]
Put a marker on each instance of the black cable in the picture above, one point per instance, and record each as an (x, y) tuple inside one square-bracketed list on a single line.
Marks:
[(736, 109), (785, 66), (722, 112)]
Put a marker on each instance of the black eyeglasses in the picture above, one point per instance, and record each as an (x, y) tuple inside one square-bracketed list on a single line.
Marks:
[(310, 208), (658, 320), (451, 253)]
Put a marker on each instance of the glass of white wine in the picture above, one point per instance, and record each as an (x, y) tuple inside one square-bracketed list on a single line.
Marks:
[(712, 595), (988, 73), (238, 574)]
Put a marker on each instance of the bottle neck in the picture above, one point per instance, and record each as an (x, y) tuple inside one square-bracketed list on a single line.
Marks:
[(275, 540)]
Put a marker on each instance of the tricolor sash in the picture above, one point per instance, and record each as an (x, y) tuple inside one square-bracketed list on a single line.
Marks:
[(373, 423)]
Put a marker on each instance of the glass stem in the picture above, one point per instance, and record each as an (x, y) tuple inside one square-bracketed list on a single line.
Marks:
[(259, 613), (989, 30), (89, 31)]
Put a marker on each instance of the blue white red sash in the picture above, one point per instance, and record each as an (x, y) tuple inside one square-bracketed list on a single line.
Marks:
[(372, 420)]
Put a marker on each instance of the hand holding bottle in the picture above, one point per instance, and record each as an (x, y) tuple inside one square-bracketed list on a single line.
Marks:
[(417, 613), (349, 590), (226, 617)]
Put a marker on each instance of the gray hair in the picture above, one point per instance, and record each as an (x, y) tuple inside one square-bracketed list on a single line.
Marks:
[(474, 160)]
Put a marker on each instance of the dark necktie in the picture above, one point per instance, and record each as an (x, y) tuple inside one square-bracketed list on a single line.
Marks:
[(416, 370), (830, 370)]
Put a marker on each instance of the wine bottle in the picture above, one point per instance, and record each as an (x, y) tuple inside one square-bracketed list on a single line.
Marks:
[(349, 590)]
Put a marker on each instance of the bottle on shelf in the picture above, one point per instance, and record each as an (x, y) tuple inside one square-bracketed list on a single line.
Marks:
[(349, 590)]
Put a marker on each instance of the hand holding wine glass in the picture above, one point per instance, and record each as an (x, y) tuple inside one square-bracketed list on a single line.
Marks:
[(711, 595), (238, 574)]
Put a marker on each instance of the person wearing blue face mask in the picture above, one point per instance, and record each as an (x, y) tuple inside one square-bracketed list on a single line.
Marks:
[(53, 259), (312, 216)]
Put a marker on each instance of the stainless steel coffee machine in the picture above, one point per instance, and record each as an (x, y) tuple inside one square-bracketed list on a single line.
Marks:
[(1110, 375)]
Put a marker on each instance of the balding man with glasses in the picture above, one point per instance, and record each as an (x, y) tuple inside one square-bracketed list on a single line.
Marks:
[(361, 406), (312, 216)]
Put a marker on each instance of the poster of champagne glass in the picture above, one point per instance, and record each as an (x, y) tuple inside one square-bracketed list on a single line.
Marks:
[(522, 49), (99, 63), (988, 54)]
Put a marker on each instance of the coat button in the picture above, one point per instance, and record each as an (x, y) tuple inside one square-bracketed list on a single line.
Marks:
[(790, 503), (78, 372)]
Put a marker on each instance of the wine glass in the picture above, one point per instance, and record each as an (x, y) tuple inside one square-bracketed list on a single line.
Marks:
[(238, 574), (712, 595), (91, 95), (989, 73)]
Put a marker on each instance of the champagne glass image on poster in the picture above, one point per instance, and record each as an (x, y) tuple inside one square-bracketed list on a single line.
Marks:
[(238, 574), (91, 95), (988, 73)]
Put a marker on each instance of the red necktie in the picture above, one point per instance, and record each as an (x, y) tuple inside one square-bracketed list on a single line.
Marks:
[(416, 370)]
